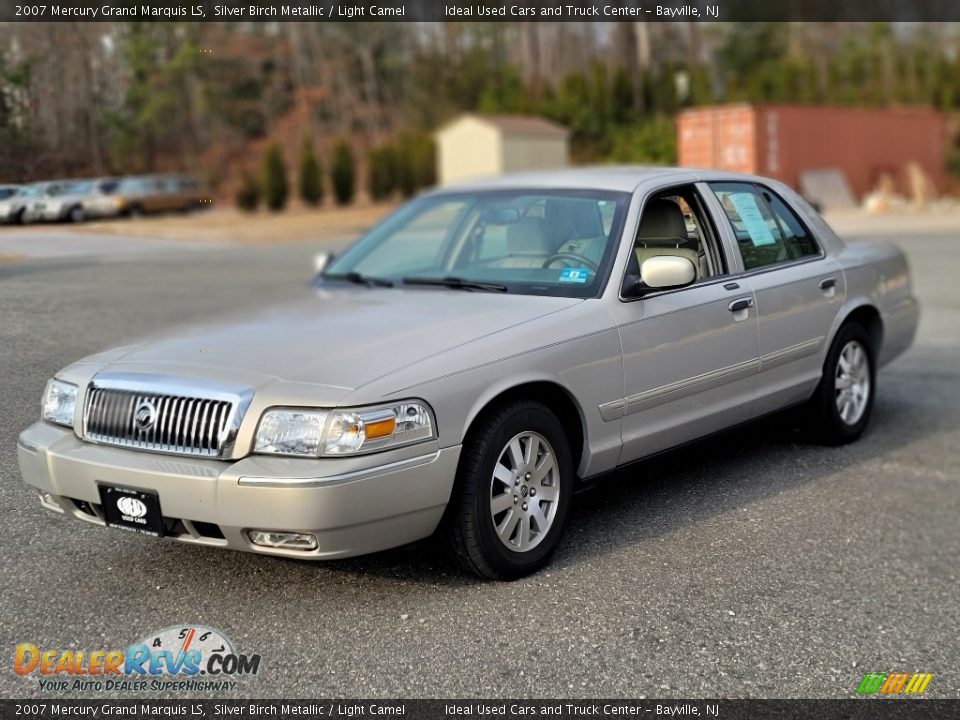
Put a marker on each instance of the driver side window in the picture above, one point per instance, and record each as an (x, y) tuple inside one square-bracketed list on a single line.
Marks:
[(674, 224)]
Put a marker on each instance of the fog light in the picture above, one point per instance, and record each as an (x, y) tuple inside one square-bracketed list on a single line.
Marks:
[(284, 540), (49, 501)]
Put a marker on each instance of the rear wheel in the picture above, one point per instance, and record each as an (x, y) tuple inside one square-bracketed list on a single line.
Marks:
[(839, 410), (512, 494)]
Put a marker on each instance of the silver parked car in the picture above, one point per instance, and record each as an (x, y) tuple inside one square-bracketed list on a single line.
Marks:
[(472, 358), (7, 193), (63, 200), (13, 205)]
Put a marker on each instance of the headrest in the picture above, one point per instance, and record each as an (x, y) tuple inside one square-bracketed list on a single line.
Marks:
[(572, 219), (662, 223), (526, 237)]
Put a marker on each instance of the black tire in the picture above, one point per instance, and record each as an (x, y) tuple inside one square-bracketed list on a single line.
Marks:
[(18, 217), (823, 419), (469, 525), (135, 211), (76, 214)]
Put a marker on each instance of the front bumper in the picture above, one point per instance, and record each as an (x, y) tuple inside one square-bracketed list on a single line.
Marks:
[(350, 511)]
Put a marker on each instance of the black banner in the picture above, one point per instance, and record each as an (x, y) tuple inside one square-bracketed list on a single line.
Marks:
[(479, 10), (853, 709)]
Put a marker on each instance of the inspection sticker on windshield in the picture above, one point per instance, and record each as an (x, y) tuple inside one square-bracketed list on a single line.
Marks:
[(574, 275)]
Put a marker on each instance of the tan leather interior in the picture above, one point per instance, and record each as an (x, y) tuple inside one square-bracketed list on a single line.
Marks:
[(663, 231), (577, 225), (569, 226), (527, 244)]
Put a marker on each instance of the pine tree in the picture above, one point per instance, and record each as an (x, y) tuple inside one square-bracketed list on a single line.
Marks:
[(381, 172), (274, 181), (311, 182), (343, 173)]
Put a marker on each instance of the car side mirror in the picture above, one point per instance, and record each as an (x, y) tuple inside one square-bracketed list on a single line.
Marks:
[(667, 271), (320, 262)]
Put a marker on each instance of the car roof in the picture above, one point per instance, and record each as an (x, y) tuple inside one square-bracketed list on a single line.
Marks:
[(623, 178)]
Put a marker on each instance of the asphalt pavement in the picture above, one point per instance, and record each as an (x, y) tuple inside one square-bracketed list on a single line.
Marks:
[(751, 565)]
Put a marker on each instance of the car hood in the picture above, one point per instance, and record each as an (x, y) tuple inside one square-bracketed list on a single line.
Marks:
[(341, 338)]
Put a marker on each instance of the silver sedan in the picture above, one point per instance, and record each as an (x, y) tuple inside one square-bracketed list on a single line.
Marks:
[(463, 366), (63, 200)]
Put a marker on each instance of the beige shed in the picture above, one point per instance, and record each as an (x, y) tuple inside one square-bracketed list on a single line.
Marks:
[(474, 146)]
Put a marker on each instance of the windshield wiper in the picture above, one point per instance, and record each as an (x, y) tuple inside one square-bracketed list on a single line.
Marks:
[(455, 283), (360, 279)]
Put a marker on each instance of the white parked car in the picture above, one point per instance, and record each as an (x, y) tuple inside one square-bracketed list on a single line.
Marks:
[(15, 199), (467, 362), (63, 200)]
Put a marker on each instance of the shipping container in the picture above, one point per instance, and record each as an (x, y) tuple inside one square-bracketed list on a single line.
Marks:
[(783, 141)]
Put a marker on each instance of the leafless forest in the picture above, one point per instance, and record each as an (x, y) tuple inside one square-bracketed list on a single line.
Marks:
[(100, 98)]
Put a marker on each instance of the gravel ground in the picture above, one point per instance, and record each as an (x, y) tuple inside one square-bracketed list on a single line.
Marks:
[(752, 565)]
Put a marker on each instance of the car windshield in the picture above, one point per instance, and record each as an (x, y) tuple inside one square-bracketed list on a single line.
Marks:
[(6, 192), (542, 242), (28, 191)]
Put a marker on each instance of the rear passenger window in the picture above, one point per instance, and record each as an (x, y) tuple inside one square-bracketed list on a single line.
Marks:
[(767, 230), (798, 239)]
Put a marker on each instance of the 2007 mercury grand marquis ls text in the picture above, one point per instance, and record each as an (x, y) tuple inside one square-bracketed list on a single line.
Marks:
[(470, 359)]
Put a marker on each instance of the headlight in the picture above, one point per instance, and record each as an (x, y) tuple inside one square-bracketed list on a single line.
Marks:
[(59, 402), (315, 433), (290, 432)]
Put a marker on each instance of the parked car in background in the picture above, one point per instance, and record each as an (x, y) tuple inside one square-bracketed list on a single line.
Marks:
[(63, 200), (470, 360), (146, 194), (13, 205)]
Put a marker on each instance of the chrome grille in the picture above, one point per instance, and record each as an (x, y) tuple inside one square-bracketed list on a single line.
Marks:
[(179, 424)]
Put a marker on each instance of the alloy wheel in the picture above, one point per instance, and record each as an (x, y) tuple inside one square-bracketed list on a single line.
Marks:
[(524, 491), (852, 384)]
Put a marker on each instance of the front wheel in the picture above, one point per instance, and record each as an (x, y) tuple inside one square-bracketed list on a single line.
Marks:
[(839, 410), (512, 493)]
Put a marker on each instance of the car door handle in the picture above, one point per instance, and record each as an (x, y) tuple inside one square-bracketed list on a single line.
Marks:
[(828, 283), (740, 304)]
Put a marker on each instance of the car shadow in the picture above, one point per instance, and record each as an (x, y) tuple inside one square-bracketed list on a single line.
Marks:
[(678, 488), (649, 499)]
